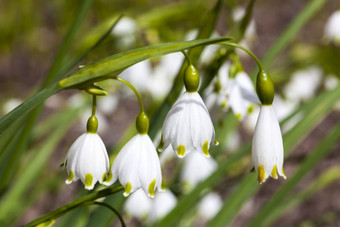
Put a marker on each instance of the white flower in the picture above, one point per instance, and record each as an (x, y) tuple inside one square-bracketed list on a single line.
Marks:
[(303, 84), (188, 126), (267, 147), (241, 95), (332, 28), (163, 203), (138, 75), (216, 92), (137, 165), (11, 104), (138, 205), (87, 159), (196, 168), (210, 205), (125, 30)]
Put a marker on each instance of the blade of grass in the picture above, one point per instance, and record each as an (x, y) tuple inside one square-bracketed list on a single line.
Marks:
[(310, 161), (327, 177)]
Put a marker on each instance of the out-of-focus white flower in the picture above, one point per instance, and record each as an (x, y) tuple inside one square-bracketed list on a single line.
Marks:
[(332, 28), (108, 104), (191, 34), (233, 141), (210, 205), (331, 82), (125, 30), (241, 95), (250, 33), (137, 165), (163, 203), (196, 168), (138, 75), (76, 100), (187, 126), (303, 84), (216, 92), (267, 147), (138, 205), (10, 105), (87, 159), (283, 107)]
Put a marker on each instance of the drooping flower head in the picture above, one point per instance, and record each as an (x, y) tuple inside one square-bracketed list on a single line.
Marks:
[(163, 203), (332, 28), (188, 126), (267, 148), (137, 164), (87, 158)]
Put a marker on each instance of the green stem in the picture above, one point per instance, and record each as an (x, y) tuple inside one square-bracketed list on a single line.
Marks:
[(111, 208), (94, 105), (76, 203), (247, 51), (186, 57), (135, 91)]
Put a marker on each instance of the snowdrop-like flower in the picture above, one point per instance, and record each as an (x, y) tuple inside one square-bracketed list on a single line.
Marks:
[(210, 205), (188, 126), (163, 203), (267, 148), (138, 205), (332, 28), (303, 84), (241, 95), (87, 158), (137, 164), (125, 30), (196, 168)]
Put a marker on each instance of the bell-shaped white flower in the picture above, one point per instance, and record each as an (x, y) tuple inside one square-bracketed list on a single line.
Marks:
[(137, 164), (138, 205), (241, 95), (332, 28), (196, 168), (267, 148), (210, 205), (188, 126), (87, 160), (163, 203)]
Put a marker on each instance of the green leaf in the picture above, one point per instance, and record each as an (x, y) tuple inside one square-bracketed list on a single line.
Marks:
[(101, 70)]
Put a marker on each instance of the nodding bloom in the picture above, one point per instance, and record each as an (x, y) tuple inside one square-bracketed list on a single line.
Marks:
[(87, 158), (196, 168), (332, 28), (267, 148), (138, 205), (209, 205), (188, 126), (241, 95), (163, 203), (137, 164)]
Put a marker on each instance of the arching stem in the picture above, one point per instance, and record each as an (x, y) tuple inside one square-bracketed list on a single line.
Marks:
[(135, 91)]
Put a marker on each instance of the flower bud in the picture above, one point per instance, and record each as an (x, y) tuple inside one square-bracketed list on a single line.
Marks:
[(92, 124), (264, 88), (191, 79), (142, 123)]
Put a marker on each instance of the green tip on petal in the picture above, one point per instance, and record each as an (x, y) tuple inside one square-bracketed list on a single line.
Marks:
[(239, 116), (70, 176), (205, 148), (216, 143), (142, 123), (104, 176), (151, 188), (264, 88), (128, 188), (108, 178), (88, 180), (284, 175), (261, 174), (250, 109), (274, 172), (181, 151), (224, 104), (161, 144)]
